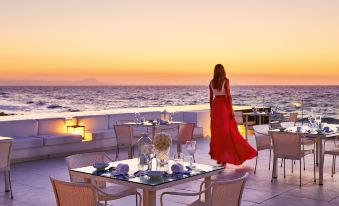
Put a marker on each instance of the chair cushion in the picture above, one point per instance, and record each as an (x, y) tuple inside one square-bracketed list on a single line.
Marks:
[(94, 122), (27, 142), (101, 134), (51, 126), (19, 128), (57, 139)]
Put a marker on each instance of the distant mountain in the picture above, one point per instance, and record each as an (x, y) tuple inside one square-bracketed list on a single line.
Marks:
[(82, 82)]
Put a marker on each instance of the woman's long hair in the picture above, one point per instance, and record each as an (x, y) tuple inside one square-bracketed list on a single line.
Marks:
[(218, 77)]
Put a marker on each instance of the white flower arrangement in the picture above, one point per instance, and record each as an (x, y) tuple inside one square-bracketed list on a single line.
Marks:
[(162, 141)]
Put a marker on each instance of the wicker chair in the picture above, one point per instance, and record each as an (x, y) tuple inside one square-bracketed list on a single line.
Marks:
[(304, 140), (239, 119), (222, 193), (263, 142), (288, 146), (124, 137), (75, 194), (5, 161), (334, 152), (105, 193), (185, 133)]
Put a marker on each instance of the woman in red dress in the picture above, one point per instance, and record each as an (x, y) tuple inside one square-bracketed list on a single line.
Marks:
[(227, 145)]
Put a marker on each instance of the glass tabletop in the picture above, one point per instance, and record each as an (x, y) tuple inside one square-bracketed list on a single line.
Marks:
[(331, 130), (135, 176)]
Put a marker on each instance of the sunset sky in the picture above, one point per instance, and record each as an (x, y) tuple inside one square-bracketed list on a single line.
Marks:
[(170, 42)]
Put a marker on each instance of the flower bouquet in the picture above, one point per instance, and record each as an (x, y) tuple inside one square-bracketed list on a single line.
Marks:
[(162, 145)]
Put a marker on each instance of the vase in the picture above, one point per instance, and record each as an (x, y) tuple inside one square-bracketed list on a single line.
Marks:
[(162, 156)]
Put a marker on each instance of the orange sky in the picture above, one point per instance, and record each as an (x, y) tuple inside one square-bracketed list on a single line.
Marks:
[(170, 42)]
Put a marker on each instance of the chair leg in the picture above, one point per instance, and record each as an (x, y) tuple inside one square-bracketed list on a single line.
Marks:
[(304, 163), (10, 184), (292, 165), (284, 169), (117, 153), (105, 202), (256, 162), (300, 174), (269, 163), (332, 166), (282, 160), (315, 179)]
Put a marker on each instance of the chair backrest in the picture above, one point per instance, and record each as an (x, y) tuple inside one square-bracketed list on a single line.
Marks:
[(83, 160), (75, 194), (228, 192), (185, 132), (287, 124), (5, 155), (293, 117), (123, 133), (262, 138), (238, 116), (286, 145)]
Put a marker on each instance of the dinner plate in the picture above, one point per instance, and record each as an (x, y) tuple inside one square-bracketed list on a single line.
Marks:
[(155, 174)]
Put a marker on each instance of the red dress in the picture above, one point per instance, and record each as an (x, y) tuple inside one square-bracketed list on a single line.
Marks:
[(227, 145)]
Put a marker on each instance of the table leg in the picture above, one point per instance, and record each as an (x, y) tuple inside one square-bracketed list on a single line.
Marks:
[(208, 181), (320, 159), (6, 181), (149, 198)]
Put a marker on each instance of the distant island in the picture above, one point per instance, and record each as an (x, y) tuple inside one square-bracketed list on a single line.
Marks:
[(82, 82)]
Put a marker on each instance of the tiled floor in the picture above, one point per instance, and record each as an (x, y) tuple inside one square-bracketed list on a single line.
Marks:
[(31, 184)]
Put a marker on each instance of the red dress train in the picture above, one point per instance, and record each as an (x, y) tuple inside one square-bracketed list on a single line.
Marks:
[(227, 144)]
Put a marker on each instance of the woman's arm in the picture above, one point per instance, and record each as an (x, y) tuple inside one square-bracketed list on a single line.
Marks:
[(211, 97), (229, 97)]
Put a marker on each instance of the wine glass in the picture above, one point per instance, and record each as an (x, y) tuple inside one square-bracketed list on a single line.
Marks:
[(317, 120), (148, 150), (137, 117), (191, 148)]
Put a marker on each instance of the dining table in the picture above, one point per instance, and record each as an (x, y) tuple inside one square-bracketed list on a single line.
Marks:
[(320, 137), (150, 185), (6, 176), (154, 125)]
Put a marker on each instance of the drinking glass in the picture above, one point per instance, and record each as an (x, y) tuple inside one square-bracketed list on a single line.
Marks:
[(148, 150), (179, 158), (317, 120), (137, 117), (191, 148), (143, 162)]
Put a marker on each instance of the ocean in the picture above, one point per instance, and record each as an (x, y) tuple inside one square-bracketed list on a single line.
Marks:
[(322, 100)]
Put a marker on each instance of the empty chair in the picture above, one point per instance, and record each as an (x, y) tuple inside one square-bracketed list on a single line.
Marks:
[(5, 161), (334, 152), (263, 141), (221, 193), (293, 117), (185, 133), (239, 118), (288, 146), (75, 194), (106, 193), (305, 141), (124, 137)]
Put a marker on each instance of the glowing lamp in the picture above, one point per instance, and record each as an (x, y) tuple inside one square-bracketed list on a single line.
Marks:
[(76, 129)]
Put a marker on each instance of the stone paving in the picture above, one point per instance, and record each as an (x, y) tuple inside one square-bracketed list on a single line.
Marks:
[(31, 184)]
